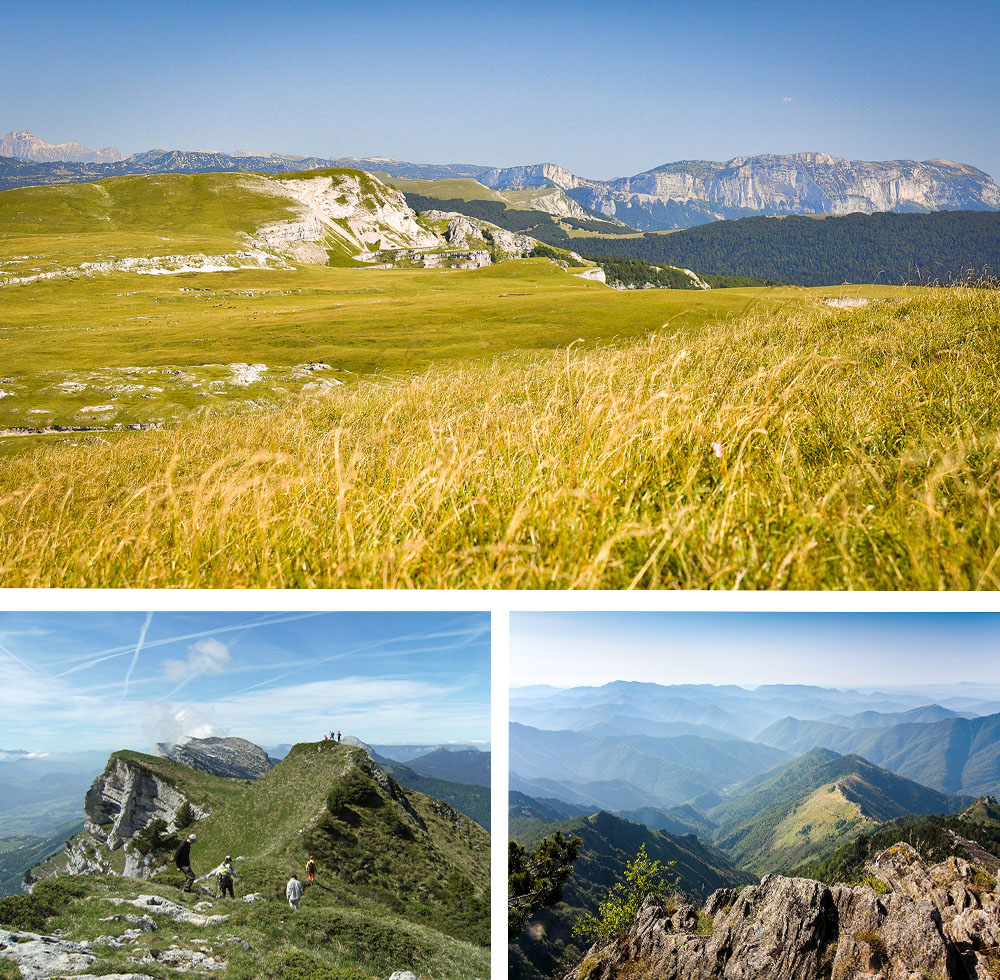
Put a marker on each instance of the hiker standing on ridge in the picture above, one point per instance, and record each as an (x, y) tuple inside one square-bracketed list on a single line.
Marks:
[(294, 891), (311, 869), (338, 736), (182, 858), (225, 873)]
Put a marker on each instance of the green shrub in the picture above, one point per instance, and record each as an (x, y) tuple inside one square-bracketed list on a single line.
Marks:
[(875, 943), (47, 898), (353, 789), (705, 925), (876, 884), (153, 838), (981, 880), (185, 816), (617, 912)]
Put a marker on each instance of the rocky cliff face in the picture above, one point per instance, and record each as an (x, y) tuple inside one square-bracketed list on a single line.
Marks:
[(120, 803), (695, 191), (23, 144), (233, 757), (940, 922)]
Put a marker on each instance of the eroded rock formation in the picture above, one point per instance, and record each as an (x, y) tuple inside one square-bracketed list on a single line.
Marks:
[(909, 922)]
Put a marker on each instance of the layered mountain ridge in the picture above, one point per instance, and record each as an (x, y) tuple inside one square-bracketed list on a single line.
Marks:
[(672, 195)]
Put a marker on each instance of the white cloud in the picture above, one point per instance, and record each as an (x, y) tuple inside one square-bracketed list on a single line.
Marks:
[(786, 98), (174, 725), (209, 656)]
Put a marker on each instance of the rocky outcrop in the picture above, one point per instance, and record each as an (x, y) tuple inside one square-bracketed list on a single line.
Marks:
[(461, 229), (910, 921), (355, 210), (233, 757), (123, 800)]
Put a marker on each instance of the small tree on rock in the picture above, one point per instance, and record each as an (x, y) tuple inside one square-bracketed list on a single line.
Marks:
[(617, 912), (535, 879), (185, 816)]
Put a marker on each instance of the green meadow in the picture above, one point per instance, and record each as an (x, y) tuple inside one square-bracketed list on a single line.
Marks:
[(512, 426)]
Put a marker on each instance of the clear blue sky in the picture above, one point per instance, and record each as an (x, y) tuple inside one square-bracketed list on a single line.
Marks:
[(604, 89), (844, 650), (127, 680)]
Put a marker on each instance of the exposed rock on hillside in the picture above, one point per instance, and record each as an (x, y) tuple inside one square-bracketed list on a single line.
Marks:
[(462, 228), (941, 921), (233, 757), (121, 802), (126, 797), (354, 209)]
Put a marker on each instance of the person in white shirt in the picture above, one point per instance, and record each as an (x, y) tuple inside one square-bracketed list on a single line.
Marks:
[(294, 891)]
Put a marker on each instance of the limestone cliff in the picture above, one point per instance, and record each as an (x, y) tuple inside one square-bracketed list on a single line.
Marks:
[(121, 802), (908, 921), (695, 191)]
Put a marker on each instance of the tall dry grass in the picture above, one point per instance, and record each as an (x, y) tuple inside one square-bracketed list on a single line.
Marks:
[(855, 450)]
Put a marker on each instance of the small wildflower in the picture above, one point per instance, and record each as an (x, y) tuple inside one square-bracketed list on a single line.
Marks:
[(717, 449)]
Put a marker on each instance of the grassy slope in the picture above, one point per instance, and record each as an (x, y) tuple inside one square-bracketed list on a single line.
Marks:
[(860, 449), (383, 898), (931, 835), (806, 808), (363, 322), (324, 940)]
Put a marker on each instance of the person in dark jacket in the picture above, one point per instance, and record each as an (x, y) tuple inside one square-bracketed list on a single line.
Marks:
[(182, 858)]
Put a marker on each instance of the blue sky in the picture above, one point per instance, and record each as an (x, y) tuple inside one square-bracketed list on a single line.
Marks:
[(604, 89), (127, 680), (845, 650)]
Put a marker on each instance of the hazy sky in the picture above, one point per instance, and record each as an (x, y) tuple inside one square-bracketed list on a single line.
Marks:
[(604, 89), (856, 650), (127, 680)]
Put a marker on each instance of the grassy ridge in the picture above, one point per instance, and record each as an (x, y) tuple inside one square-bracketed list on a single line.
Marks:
[(859, 449)]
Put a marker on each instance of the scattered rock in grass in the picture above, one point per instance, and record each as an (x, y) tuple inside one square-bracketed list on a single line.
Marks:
[(846, 302), (321, 387), (158, 905), (43, 956), (403, 975), (253, 897), (244, 375)]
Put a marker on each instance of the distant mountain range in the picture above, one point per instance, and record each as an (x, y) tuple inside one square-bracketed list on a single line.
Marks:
[(23, 144), (674, 195)]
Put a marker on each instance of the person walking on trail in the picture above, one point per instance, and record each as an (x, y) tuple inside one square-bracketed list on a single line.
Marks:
[(182, 858), (294, 891), (226, 875), (311, 869)]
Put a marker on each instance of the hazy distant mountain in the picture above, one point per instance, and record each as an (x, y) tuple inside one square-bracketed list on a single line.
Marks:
[(954, 754), (664, 770), (730, 710), (23, 144), (461, 766)]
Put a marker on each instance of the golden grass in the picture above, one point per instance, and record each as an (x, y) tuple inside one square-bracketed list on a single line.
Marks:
[(859, 450)]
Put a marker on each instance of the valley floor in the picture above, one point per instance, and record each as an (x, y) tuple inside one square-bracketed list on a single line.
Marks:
[(792, 445)]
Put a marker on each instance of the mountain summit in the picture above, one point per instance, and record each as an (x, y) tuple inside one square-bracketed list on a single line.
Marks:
[(22, 144)]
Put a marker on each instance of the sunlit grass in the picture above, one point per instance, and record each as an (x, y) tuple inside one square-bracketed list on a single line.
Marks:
[(859, 450)]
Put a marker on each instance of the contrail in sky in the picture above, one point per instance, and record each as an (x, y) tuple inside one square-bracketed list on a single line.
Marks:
[(135, 656)]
